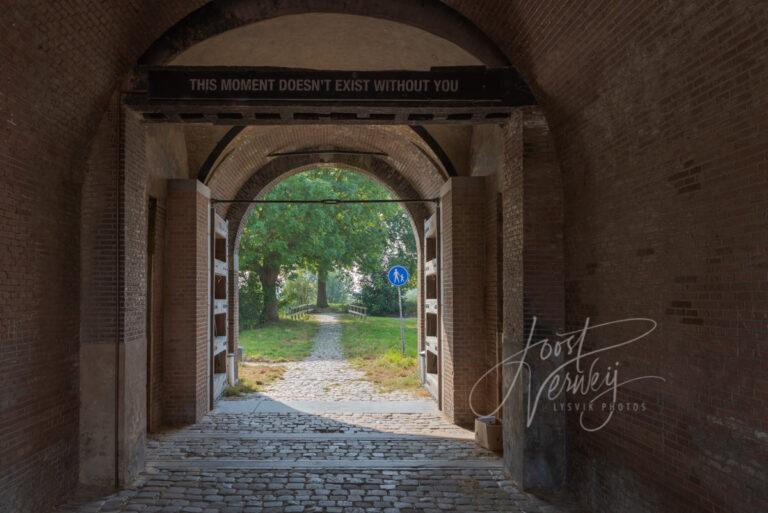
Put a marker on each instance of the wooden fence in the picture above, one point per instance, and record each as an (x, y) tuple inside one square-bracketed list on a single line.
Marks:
[(299, 311), (358, 311)]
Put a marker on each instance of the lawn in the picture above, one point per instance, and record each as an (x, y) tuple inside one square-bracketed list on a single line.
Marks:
[(373, 346), (280, 341)]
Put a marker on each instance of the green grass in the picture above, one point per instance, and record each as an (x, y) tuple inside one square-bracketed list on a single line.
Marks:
[(373, 346), (280, 341)]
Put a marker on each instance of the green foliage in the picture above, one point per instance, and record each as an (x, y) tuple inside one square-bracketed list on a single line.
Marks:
[(378, 295), (251, 300), (299, 287), (280, 341), (340, 287), (316, 237), (329, 240), (410, 302)]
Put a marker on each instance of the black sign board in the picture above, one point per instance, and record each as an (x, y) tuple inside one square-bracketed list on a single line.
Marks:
[(502, 87)]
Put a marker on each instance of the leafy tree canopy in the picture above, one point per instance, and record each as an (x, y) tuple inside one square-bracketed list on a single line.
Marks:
[(281, 237)]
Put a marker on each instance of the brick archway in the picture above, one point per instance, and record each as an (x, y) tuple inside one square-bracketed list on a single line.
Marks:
[(220, 16), (404, 157), (659, 116), (395, 154), (269, 175)]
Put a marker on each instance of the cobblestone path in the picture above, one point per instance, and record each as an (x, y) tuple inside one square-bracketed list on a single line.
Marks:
[(295, 448)]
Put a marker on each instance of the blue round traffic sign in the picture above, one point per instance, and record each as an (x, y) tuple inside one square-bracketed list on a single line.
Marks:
[(397, 275)]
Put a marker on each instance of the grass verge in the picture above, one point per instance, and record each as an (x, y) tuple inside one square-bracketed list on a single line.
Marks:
[(373, 346), (280, 341), (254, 378)]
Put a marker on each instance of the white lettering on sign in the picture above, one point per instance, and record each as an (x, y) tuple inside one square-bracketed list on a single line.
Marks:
[(352, 85), (402, 86), (203, 84), (247, 84), (446, 86), (324, 85), (307, 85)]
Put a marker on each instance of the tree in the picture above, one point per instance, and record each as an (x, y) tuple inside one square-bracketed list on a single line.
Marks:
[(377, 294), (265, 250), (281, 237), (251, 299), (298, 287), (340, 286)]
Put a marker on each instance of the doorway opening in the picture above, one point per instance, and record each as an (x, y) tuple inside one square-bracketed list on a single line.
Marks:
[(317, 245)]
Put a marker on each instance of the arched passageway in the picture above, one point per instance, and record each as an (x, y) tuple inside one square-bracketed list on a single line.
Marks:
[(657, 132), (450, 164)]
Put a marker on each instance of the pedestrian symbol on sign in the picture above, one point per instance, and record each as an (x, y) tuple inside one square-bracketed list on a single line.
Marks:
[(398, 275)]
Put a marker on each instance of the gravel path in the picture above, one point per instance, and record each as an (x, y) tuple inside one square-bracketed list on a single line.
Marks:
[(327, 375)]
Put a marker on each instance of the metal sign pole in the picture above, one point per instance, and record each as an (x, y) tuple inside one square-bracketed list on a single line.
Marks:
[(398, 276), (402, 326)]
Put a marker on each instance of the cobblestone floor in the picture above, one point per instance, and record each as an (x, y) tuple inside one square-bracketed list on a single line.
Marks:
[(322, 448), (332, 462), (296, 422)]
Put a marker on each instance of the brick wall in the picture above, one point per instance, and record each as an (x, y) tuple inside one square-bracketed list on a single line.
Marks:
[(99, 272), (533, 243), (166, 157), (133, 292), (60, 64), (657, 112), (155, 352), (487, 160), (186, 303), (122, 165), (462, 260), (513, 327)]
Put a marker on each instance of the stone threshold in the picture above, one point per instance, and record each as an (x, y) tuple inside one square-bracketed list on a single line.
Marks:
[(323, 407), (469, 437), (266, 465)]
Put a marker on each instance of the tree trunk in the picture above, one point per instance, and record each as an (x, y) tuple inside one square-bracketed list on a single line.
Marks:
[(268, 275), (322, 279)]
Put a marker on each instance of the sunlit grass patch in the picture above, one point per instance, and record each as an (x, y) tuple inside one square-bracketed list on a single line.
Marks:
[(373, 346), (280, 341)]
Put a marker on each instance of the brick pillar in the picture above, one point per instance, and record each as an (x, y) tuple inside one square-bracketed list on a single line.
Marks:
[(534, 455), (113, 308), (186, 302), (462, 262)]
